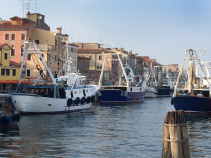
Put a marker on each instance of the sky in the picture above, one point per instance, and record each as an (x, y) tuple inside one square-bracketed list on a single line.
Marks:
[(160, 29)]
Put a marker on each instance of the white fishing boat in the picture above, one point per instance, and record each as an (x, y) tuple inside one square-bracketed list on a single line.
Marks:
[(64, 94)]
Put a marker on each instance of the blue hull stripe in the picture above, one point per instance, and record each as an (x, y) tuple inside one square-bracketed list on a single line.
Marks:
[(163, 92), (120, 96), (192, 104)]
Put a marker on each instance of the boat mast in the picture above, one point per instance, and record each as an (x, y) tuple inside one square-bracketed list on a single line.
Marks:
[(21, 72), (36, 51), (68, 66), (123, 70), (180, 73), (101, 74)]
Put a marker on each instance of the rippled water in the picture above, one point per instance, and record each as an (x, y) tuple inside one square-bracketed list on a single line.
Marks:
[(121, 130)]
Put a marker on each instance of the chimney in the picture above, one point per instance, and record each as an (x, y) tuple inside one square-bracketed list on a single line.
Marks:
[(59, 30), (65, 37)]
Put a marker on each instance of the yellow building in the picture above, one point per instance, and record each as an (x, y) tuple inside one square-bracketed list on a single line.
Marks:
[(9, 70)]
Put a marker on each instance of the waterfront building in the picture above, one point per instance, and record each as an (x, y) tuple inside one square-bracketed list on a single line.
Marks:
[(94, 52), (33, 28), (9, 70)]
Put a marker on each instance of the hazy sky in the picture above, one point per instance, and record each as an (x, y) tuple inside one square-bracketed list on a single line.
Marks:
[(160, 29)]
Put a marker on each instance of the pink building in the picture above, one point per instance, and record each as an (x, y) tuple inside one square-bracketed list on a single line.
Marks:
[(14, 33)]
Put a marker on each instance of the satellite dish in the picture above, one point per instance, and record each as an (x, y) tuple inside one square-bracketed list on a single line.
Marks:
[(39, 17)]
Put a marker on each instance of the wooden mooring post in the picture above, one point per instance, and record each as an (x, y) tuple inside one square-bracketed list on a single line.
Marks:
[(175, 136)]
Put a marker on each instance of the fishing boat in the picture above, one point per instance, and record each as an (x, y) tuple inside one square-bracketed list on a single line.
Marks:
[(61, 94), (128, 88), (164, 82), (151, 91), (193, 95), (8, 114)]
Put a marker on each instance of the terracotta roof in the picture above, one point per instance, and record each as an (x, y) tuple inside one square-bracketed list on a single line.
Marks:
[(9, 26), (93, 51), (14, 63), (1, 46)]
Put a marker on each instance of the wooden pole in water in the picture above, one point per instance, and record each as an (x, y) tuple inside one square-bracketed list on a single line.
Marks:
[(175, 136)]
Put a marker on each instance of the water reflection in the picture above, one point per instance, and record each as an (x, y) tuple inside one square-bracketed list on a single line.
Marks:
[(107, 130), (10, 142), (199, 128)]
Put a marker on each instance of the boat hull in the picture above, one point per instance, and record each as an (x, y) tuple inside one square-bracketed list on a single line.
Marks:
[(120, 96), (192, 103), (164, 92), (43, 105)]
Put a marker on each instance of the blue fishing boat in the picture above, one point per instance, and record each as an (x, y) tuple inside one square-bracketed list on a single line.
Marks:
[(129, 87), (193, 95), (8, 115), (151, 91), (165, 83)]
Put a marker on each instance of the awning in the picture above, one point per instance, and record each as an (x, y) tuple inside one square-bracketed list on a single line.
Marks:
[(9, 81)]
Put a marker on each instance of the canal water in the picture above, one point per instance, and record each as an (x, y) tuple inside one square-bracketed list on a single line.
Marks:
[(120, 130)]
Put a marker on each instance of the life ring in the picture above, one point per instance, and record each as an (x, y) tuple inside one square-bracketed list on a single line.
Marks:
[(82, 100), (4, 121), (92, 98), (77, 101), (88, 99), (69, 102)]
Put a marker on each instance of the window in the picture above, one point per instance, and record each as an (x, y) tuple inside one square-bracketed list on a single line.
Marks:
[(13, 72), (12, 50), (28, 56), (2, 71), (72, 50), (13, 36), (6, 36), (55, 58), (100, 57), (90, 57), (23, 36), (28, 73), (42, 56), (7, 72), (41, 73), (5, 56), (100, 67), (56, 42), (37, 41), (49, 57), (97, 67), (22, 49)]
